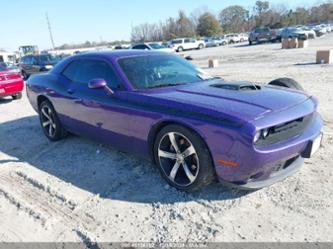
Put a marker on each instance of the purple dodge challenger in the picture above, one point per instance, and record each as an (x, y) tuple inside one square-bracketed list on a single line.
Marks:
[(194, 127)]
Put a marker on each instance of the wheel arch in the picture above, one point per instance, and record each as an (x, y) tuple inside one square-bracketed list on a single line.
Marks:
[(157, 127), (42, 98)]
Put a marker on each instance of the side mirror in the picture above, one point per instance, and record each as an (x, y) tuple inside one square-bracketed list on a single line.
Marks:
[(97, 83), (100, 83)]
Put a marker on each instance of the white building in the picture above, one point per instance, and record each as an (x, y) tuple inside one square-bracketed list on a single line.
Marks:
[(7, 57)]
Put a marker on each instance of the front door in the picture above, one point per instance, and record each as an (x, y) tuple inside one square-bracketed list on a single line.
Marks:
[(92, 112)]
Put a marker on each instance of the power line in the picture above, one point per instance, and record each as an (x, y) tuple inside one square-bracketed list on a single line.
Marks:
[(50, 30)]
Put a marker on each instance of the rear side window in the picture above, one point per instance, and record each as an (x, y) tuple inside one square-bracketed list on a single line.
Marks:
[(71, 70), (82, 71), (177, 41)]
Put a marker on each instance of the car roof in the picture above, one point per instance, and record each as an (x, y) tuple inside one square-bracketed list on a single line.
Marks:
[(115, 54), (120, 53)]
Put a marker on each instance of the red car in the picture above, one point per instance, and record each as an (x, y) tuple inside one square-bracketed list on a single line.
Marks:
[(11, 83)]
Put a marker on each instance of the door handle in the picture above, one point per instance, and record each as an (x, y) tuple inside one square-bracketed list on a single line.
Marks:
[(70, 91)]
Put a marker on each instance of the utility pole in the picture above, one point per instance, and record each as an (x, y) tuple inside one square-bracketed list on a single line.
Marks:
[(50, 30)]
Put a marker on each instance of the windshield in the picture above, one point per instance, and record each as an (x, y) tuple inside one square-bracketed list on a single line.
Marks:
[(160, 71), (47, 58), (3, 65), (7, 66), (290, 30), (156, 46)]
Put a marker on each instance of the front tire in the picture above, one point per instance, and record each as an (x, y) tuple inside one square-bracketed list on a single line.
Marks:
[(17, 96), (50, 123), (183, 158), (180, 49), (287, 82)]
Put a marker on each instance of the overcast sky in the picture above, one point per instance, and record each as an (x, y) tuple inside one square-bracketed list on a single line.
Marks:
[(73, 21)]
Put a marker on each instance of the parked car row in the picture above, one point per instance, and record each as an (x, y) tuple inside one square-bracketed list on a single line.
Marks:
[(265, 34), (182, 44)]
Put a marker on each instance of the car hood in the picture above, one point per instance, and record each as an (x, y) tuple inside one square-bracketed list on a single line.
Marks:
[(241, 105), (166, 50)]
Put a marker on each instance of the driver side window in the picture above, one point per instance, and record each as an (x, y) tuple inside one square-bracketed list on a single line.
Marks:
[(84, 70)]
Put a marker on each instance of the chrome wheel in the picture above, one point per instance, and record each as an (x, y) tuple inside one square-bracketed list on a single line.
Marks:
[(48, 121), (178, 159)]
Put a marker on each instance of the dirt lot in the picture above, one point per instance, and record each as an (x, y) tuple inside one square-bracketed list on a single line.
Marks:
[(79, 190)]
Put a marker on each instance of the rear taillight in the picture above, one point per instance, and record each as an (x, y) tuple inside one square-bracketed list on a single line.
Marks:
[(18, 75)]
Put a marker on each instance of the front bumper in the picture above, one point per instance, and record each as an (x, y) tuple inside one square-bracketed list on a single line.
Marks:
[(260, 167), (275, 176)]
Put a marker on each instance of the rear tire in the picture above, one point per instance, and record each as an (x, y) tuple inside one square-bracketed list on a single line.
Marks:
[(25, 76), (180, 49), (17, 96), (183, 158), (201, 46), (50, 122), (287, 82)]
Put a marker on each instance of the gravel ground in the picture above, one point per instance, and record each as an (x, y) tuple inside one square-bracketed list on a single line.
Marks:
[(79, 190)]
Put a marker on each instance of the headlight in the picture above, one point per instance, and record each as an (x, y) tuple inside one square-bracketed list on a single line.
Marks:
[(261, 134), (265, 133), (257, 136)]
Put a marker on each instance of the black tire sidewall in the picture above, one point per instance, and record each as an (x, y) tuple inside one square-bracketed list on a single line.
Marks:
[(60, 132), (17, 96), (288, 83), (206, 172)]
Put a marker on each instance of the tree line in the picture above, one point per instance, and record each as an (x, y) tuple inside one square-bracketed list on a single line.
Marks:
[(233, 19)]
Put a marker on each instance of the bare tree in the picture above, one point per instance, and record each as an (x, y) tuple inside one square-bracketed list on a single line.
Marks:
[(195, 14), (185, 27)]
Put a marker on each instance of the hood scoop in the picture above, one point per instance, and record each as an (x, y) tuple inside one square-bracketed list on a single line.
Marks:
[(238, 86)]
